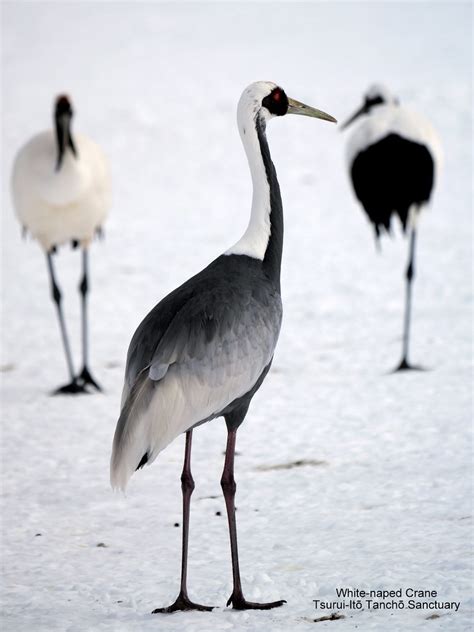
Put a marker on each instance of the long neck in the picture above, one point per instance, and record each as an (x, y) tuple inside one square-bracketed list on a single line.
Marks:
[(263, 238), (63, 140)]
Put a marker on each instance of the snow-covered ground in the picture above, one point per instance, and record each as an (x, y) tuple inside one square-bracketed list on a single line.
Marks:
[(385, 501)]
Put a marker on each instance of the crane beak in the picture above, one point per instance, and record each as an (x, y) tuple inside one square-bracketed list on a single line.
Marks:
[(295, 107), (360, 111)]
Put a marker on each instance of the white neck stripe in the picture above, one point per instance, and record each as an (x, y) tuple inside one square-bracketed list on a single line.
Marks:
[(254, 241)]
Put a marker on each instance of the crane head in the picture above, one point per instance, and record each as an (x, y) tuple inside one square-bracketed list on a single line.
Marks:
[(265, 100), (63, 113), (376, 95)]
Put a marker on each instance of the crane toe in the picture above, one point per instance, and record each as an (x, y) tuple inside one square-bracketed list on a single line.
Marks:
[(406, 366), (73, 388), (85, 378), (240, 603), (182, 603)]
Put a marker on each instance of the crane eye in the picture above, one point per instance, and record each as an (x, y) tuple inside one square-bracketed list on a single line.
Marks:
[(276, 102)]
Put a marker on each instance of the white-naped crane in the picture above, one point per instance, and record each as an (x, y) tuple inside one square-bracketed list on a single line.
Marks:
[(206, 348), (61, 193), (394, 157)]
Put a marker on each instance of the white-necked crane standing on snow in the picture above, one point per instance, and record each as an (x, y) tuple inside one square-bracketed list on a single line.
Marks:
[(61, 193), (206, 348), (394, 158)]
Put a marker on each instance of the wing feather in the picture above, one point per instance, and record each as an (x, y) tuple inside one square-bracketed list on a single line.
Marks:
[(212, 351)]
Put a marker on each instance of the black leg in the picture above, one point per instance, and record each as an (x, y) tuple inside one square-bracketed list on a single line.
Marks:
[(85, 376), (73, 387), (187, 486), (410, 274), (229, 487)]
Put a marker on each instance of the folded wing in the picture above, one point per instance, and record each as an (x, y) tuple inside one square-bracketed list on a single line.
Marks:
[(187, 368)]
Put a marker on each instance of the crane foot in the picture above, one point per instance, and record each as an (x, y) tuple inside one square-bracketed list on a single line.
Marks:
[(406, 366), (239, 603), (183, 603), (73, 388), (85, 378)]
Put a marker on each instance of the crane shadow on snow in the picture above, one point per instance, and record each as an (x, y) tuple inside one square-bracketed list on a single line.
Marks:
[(291, 464)]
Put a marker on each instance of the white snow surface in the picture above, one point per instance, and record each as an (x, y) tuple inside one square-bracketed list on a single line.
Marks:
[(385, 501)]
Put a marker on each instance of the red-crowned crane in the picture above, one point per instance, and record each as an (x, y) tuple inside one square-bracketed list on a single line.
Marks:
[(61, 193), (394, 158)]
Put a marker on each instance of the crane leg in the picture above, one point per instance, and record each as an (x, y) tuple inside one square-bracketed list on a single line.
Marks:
[(85, 376), (187, 486), (229, 487), (410, 274), (74, 386)]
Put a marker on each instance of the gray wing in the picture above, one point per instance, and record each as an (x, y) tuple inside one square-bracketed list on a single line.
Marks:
[(219, 333), (209, 308), (212, 352)]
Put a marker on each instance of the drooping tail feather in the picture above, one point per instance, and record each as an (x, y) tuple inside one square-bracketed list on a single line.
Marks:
[(156, 411), (153, 414), (131, 442)]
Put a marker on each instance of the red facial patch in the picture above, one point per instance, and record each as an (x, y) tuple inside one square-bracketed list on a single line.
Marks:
[(276, 95)]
